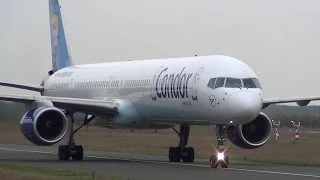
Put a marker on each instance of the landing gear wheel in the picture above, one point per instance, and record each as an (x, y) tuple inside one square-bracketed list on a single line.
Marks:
[(174, 154), (77, 153), (214, 161), (225, 162), (177, 154), (188, 155), (181, 152), (64, 152)]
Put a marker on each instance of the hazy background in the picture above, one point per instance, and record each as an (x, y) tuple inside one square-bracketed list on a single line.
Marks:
[(280, 40)]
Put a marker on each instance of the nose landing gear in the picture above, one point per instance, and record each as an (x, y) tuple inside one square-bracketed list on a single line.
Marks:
[(220, 158)]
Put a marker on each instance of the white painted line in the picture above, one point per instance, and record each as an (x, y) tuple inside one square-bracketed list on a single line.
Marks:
[(274, 172), (28, 151), (147, 161), (169, 163)]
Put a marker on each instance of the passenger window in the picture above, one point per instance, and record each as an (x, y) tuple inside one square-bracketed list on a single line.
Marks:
[(248, 83), (211, 83), (220, 82), (233, 83), (257, 83)]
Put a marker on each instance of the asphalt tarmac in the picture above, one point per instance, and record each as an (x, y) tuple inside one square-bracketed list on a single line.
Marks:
[(137, 166)]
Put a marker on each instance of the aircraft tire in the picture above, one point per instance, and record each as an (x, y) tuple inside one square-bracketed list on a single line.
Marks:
[(64, 152), (77, 154), (174, 154), (225, 162), (188, 155), (214, 161)]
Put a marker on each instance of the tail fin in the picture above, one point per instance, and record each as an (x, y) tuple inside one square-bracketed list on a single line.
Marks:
[(60, 53)]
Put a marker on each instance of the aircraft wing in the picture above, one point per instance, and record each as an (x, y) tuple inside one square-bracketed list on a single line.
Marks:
[(88, 106), (301, 101), (21, 86)]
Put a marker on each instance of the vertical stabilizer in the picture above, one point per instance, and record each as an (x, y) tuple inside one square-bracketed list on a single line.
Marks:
[(59, 48)]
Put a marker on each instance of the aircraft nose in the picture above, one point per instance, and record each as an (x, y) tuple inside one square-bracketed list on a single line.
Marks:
[(244, 107)]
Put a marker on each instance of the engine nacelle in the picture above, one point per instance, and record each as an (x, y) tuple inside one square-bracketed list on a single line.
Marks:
[(44, 126), (251, 135)]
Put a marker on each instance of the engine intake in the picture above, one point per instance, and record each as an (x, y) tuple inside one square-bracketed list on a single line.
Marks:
[(45, 125), (251, 135)]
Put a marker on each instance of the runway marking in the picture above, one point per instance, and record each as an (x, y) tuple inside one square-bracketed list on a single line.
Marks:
[(169, 163), (146, 161), (274, 172), (29, 151)]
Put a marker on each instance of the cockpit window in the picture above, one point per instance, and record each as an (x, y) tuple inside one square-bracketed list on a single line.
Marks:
[(233, 83), (248, 83), (211, 83), (256, 81), (220, 82)]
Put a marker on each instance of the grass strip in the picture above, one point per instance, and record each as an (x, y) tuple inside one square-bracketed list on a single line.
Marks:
[(13, 171)]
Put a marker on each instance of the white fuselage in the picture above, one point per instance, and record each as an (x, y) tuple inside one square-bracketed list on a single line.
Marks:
[(164, 91)]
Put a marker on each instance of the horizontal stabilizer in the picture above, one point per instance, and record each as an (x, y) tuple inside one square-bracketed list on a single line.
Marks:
[(20, 86)]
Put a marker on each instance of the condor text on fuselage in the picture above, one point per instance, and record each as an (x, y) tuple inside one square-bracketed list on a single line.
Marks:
[(171, 85)]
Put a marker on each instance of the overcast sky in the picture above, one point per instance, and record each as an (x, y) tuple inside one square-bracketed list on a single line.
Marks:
[(280, 40)]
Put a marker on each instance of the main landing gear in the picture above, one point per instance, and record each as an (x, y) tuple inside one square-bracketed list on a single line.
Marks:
[(73, 150), (220, 157), (186, 154)]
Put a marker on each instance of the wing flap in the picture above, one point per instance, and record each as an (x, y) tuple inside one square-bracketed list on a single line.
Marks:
[(89, 106)]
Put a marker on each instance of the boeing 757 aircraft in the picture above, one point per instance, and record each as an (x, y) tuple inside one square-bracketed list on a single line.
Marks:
[(217, 91)]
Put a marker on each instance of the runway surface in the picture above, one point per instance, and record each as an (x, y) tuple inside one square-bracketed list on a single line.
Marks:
[(135, 166)]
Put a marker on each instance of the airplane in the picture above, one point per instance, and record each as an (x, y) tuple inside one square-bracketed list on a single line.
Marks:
[(218, 91)]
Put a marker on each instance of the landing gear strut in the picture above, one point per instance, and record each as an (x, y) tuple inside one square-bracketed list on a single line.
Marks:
[(73, 150), (220, 157), (186, 154)]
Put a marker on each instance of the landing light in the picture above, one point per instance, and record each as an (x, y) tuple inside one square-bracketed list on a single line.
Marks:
[(220, 156)]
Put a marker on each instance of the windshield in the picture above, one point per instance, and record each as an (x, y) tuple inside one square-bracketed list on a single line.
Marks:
[(233, 83), (211, 83), (248, 83), (257, 83), (220, 82)]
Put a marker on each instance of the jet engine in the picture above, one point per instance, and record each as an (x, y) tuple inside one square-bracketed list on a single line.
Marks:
[(251, 135), (44, 126)]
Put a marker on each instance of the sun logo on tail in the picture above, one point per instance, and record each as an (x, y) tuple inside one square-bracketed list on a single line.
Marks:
[(55, 29), (54, 36)]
